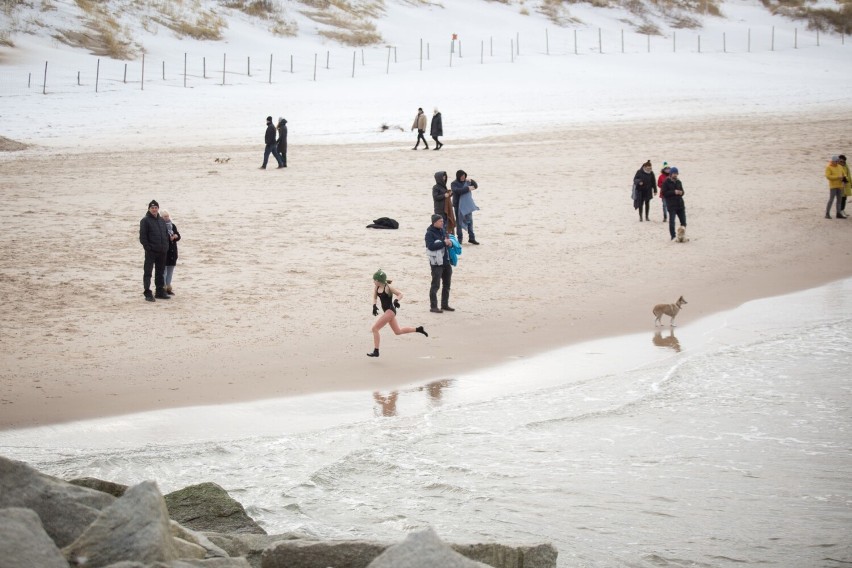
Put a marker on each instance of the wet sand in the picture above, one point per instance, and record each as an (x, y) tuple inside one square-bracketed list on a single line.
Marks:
[(273, 290)]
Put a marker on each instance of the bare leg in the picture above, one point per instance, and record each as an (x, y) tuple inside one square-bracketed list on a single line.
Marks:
[(383, 320), (399, 330)]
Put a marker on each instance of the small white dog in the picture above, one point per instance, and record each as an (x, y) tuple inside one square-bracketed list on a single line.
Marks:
[(670, 310), (681, 235)]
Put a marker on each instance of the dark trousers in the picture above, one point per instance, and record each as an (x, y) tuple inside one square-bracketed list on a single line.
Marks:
[(158, 260), (681, 215), (421, 137), (441, 274), (437, 142), (271, 149), (283, 153)]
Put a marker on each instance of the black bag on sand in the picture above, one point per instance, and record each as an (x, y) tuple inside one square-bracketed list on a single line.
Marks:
[(384, 223)]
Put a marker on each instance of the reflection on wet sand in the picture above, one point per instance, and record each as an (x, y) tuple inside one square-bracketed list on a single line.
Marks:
[(669, 342), (386, 403)]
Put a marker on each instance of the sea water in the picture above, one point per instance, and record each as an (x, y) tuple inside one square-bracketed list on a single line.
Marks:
[(726, 442)]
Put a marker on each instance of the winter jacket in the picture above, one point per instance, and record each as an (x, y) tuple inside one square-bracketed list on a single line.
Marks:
[(419, 122), (834, 175), (437, 249), (270, 133), (460, 188), (660, 180), (172, 255), (439, 191), (649, 184), (282, 137), (847, 187), (455, 250), (437, 127), (153, 234), (673, 202)]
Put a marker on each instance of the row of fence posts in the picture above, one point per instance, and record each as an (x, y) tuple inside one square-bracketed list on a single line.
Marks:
[(514, 50)]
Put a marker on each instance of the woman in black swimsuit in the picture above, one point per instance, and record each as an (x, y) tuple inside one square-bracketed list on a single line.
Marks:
[(384, 292)]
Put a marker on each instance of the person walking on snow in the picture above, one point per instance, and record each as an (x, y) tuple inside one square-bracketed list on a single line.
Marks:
[(282, 140), (384, 293), (420, 125)]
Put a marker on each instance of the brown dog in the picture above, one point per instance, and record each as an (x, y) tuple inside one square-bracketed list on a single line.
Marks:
[(681, 235), (670, 310)]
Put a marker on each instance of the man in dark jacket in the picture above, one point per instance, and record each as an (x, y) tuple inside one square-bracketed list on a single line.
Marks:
[(440, 193), (459, 187), (271, 147), (436, 129), (437, 244), (673, 194), (282, 140), (154, 236)]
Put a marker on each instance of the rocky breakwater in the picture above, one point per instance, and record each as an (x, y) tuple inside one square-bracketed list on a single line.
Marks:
[(47, 522)]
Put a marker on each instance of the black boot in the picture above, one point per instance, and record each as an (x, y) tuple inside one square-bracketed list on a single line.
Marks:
[(419, 329), (375, 353), (149, 297), (161, 294)]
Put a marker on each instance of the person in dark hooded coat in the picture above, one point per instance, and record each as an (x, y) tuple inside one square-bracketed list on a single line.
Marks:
[(645, 186), (436, 129), (282, 139), (442, 199)]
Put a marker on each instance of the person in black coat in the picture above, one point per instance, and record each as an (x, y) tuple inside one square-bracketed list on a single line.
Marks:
[(154, 237), (282, 139), (271, 147), (673, 194), (436, 129), (172, 255), (437, 245), (645, 187)]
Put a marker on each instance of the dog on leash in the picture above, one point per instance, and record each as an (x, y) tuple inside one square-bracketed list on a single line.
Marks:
[(681, 235), (670, 310)]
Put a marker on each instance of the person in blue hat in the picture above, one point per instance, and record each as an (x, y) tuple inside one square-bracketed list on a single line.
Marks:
[(673, 194)]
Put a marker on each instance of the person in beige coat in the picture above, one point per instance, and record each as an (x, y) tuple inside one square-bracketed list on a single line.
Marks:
[(420, 126)]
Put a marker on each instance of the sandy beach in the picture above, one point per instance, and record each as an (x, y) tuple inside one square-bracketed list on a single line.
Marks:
[(273, 285)]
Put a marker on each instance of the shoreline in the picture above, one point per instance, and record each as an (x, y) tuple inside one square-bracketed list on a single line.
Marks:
[(282, 307)]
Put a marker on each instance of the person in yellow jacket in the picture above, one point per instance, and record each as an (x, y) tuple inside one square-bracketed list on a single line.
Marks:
[(836, 180), (847, 185)]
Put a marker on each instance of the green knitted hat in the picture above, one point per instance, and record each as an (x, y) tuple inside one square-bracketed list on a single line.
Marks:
[(380, 276)]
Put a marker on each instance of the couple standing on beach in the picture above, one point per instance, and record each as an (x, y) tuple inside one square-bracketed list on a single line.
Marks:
[(159, 237)]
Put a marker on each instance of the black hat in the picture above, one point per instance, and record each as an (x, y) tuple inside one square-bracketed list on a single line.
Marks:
[(268, 119), (153, 203), (435, 217)]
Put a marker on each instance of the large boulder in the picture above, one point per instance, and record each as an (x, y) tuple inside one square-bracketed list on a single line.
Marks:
[(423, 549), (65, 510), (208, 507), (301, 554), (249, 546), (114, 489), (134, 528), (24, 543), (502, 556)]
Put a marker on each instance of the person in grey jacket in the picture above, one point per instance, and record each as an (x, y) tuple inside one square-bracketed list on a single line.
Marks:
[(154, 237), (437, 245), (460, 187)]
